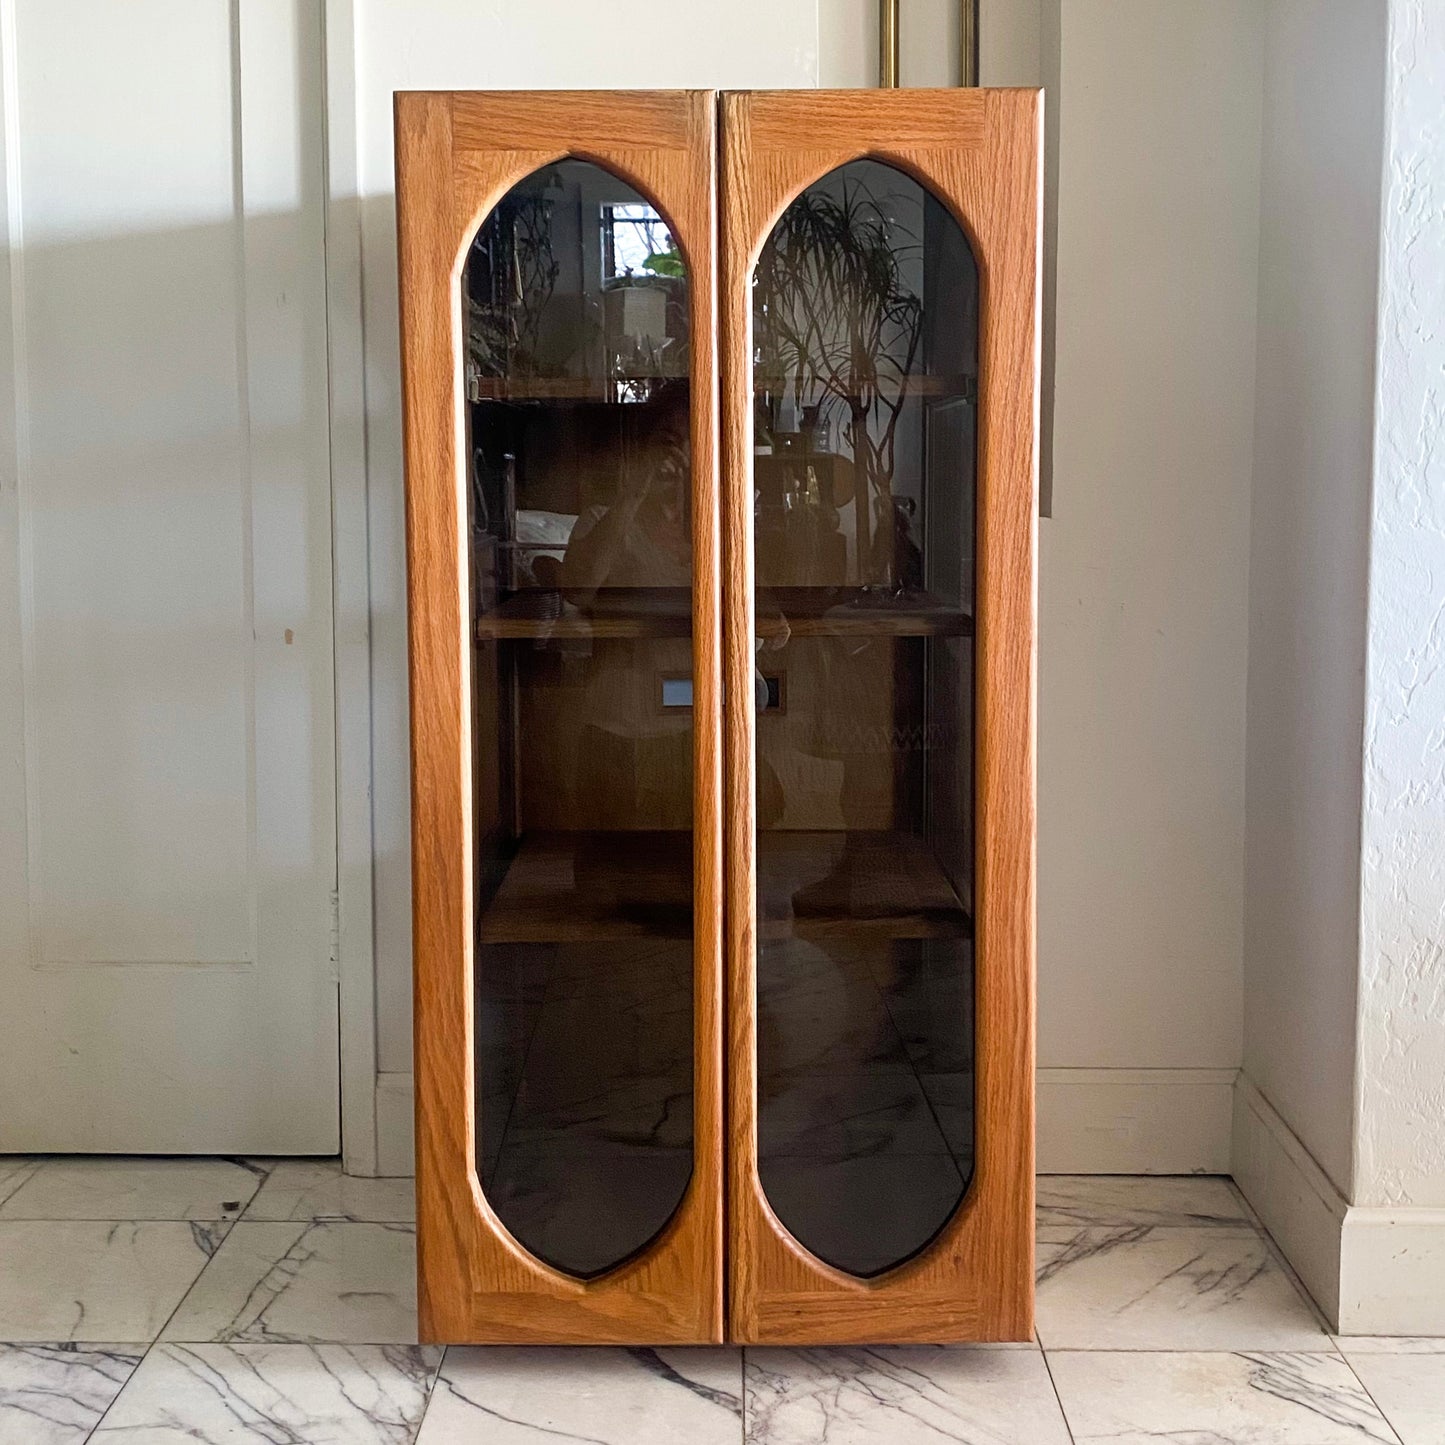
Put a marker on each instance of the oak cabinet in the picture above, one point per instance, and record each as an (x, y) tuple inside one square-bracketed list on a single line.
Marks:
[(720, 437)]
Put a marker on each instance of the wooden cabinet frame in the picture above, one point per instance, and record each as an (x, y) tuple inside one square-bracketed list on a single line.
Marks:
[(978, 151), (457, 156)]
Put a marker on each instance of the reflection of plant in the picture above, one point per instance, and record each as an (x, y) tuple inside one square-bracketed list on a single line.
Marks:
[(504, 326), (666, 263), (835, 320)]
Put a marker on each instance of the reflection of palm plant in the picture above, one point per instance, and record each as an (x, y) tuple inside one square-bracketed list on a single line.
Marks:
[(835, 320), (504, 327)]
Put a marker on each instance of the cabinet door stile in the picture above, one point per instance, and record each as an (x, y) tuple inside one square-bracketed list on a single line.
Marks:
[(879, 666), (565, 733)]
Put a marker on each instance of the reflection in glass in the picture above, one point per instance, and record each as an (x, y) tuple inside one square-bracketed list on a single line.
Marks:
[(575, 309), (865, 320)]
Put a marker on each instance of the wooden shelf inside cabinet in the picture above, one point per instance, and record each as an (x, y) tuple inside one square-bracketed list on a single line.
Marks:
[(667, 612), (588, 388), (612, 391), (620, 612), (852, 612), (592, 887)]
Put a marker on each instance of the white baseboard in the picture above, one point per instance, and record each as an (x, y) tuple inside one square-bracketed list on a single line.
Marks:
[(1392, 1272), (1134, 1121), (1373, 1270), (1293, 1196), (395, 1126), (1091, 1121)]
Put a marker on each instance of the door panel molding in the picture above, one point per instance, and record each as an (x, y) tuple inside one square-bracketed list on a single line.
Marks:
[(165, 607)]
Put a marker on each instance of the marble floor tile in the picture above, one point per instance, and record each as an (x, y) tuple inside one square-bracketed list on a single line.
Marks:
[(1215, 1399), (85, 1280), (273, 1395), (1169, 1289), (15, 1169), (516, 1396), (1409, 1388), (317, 1189), (1117, 1202), (305, 1283), (54, 1394), (900, 1395), (112, 1187), (1390, 1344)]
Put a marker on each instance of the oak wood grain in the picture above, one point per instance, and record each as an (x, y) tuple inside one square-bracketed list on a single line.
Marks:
[(457, 155), (979, 152)]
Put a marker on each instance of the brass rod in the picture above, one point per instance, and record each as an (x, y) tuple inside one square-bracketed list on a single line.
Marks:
[(968, 70), (888, 44)]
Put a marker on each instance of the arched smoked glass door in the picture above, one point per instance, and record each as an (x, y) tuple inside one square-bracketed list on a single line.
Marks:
[(575, 307), (559, 386), (865, 384), (879, 301)]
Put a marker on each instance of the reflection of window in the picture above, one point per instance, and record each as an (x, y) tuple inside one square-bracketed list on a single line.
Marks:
[(631, 232)]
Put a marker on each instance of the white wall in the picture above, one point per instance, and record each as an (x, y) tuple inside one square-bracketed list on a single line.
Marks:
[(1319, 250), (463, 44), (929, 47), (1144, 563), (1144, 571), (1400, 1120)]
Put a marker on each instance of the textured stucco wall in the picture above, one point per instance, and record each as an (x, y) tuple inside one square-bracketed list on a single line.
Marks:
[(1400, 1123)]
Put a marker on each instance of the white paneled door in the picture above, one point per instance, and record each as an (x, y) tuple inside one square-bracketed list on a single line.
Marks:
[(167, 810)]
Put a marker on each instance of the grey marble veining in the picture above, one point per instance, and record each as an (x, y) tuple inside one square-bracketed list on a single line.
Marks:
[(1113, 1202), (1169, 1289), (54, 1394), (274, 1395), (119, 1188), (1408, 1384), (1131, 1398), (307, 1189), (900, 1395), (86, 1280), (15, 1169), (517, 1396), (305, 1283)]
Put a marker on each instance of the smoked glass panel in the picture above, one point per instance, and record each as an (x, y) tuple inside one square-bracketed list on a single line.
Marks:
[(865, 323), (575, 309)]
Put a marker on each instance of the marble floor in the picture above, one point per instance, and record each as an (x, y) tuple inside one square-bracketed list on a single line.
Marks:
[(158, 1301)]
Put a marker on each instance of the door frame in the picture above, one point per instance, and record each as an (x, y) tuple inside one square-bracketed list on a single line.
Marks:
[(458, 154), (980, 153), (367, 1147)]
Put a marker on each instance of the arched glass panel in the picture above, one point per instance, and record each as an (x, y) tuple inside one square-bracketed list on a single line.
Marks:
[(865, 369), (575, 306)]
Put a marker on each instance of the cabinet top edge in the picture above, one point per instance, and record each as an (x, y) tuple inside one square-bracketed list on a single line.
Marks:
[(812, 93)]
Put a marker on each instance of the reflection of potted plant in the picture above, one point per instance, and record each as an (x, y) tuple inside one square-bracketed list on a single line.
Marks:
[(645, 315), (836, 323)]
